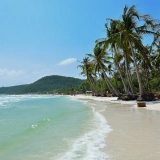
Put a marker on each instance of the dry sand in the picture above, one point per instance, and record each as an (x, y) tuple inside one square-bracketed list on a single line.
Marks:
[(136, 131)]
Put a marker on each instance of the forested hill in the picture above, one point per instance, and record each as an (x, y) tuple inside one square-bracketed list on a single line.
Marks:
[(44, 85), (11, 90)]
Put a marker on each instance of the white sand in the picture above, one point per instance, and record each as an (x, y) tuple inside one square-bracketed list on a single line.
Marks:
[(135, 130), (155, 105)]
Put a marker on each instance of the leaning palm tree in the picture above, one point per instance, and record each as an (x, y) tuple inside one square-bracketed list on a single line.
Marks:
[(155, 62), (100, 59), (88, 70), (131, 35), (100, 80), (128, 61), (115, 47)]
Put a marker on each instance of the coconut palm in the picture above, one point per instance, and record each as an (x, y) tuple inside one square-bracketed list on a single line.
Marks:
[(155, 62), (88, 71), (115, 47), (100, 59), (131, 34), (124, 39)]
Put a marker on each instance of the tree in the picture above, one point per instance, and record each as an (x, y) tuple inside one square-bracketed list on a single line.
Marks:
[(113, 43), (100, 59), (131, 34), (88, 71)]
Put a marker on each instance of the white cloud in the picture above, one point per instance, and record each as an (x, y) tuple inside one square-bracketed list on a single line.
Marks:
[(67, 61), (6, 72)]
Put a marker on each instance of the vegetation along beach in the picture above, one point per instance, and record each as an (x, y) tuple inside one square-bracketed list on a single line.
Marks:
[(130, 71), (69, 92)]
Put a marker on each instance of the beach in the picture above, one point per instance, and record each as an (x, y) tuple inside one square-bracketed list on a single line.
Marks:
[(135, 130)]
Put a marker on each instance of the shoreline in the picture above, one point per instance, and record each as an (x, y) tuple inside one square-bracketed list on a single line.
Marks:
[(150, 105), (135, 132)]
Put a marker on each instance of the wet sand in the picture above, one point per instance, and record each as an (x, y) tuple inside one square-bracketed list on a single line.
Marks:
[(135, 131), (135, 134)]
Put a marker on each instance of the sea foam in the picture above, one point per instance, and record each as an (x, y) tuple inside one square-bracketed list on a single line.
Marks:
[(88, 146)]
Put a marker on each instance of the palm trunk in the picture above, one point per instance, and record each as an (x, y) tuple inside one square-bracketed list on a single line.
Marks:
[(130, 81), (128, 76), (108, 82), (91, 83), (124, 85), (109, 87), (102, 92), (118, 69), (137, 70)]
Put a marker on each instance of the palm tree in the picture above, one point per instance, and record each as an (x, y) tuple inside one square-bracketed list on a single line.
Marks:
[(155, 62), (131, 34), (128, 61), (127, 36), (100, 59), (114, 44), (88, 71)]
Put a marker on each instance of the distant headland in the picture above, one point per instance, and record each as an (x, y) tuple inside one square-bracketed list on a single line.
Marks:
[(46, 85)]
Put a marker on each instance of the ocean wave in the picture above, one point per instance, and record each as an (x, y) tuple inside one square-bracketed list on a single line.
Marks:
[(40, 124), (88, 146), (6, 99)]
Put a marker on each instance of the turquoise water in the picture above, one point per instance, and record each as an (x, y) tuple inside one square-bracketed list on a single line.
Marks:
[(41, 127)]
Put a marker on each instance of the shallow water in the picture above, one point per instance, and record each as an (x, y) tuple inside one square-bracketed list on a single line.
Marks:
[(50, 127)]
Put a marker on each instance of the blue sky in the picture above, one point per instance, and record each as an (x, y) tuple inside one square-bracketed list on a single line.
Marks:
[(47, 37)]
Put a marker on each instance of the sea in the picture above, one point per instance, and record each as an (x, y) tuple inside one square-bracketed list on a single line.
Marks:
[(49, 127)]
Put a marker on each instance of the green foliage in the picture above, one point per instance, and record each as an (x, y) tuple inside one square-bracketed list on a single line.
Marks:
[(11, 90), (48, 84), (155, 84), (84, 87), (133, 67)]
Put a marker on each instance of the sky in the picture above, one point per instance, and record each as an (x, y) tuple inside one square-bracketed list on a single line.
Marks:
[(48, 37)]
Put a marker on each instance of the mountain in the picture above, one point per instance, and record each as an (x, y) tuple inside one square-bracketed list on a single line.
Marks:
[(44, 85), (11, 90)]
